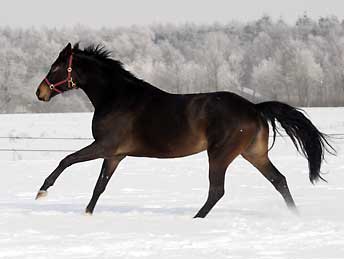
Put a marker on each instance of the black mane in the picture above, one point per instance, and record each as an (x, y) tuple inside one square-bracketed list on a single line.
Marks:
[(96, 51), (100, 53)]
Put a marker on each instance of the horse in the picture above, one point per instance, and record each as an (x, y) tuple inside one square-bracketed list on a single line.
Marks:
[(134, 118)]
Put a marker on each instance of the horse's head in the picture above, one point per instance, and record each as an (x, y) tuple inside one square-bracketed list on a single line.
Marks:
[(59, 78)]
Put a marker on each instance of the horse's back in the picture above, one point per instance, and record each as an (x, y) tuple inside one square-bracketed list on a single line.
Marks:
[(180, 125)]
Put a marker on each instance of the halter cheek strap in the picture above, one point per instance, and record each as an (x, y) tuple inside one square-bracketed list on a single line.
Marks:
[(68, 80)]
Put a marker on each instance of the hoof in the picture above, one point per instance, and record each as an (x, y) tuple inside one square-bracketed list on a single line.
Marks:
[(41, 194), (295, 211), (88, 213)]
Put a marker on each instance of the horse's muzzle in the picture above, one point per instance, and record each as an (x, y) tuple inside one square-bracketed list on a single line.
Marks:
[(43, 92)]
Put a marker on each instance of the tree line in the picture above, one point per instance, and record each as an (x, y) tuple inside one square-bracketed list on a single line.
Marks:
[(301, 64)]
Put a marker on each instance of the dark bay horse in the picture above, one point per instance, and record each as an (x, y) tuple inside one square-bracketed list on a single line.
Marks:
[(134, 118)]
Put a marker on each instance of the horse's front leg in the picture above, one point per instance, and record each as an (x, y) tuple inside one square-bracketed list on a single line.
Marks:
[(108, 168), (93, 151)]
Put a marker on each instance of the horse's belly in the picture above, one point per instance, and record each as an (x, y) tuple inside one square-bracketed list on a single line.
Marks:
[(172, 148)]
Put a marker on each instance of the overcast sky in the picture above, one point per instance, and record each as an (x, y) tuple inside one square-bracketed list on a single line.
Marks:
[(113, 13)]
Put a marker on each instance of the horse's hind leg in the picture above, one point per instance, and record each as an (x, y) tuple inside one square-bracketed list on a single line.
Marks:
[(216, 188), (108, 168), (257, 155), (219, 160)]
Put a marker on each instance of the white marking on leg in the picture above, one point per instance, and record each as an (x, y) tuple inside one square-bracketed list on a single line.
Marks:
[(41, 194)]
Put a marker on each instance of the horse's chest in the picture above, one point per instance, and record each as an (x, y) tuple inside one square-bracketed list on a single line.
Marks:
[(115, 127)]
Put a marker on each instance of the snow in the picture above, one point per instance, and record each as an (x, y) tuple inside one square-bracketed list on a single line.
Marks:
[(147, 209)]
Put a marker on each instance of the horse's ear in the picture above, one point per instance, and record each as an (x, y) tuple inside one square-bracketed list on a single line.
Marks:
[(67, 51), (76, 46)]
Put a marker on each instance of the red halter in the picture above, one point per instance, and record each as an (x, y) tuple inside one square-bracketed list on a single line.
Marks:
[(68, 80)]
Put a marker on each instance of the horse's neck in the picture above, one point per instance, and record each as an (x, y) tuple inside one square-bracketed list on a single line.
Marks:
[(105, 89), (117, 92), (93, 94)]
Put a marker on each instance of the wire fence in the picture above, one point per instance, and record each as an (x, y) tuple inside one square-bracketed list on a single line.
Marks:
[(47, 138), (12, 139), (332, 135)]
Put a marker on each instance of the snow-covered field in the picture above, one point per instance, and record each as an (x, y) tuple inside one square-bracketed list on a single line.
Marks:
[(147, 209)]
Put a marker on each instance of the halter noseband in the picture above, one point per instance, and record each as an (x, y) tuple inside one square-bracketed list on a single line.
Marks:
[(68, 80)]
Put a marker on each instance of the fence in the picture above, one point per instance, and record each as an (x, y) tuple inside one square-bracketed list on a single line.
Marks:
[(12, 139)]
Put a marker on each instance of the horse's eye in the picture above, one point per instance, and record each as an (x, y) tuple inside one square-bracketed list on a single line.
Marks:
[(54, 69)]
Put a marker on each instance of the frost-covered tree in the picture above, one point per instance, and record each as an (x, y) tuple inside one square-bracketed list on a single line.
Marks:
[(302, 64), (267, 79)]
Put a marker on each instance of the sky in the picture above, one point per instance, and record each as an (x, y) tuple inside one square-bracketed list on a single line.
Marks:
[(61, 13)]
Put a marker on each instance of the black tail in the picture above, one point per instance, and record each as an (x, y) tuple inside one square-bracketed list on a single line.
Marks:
[(305, 136)]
